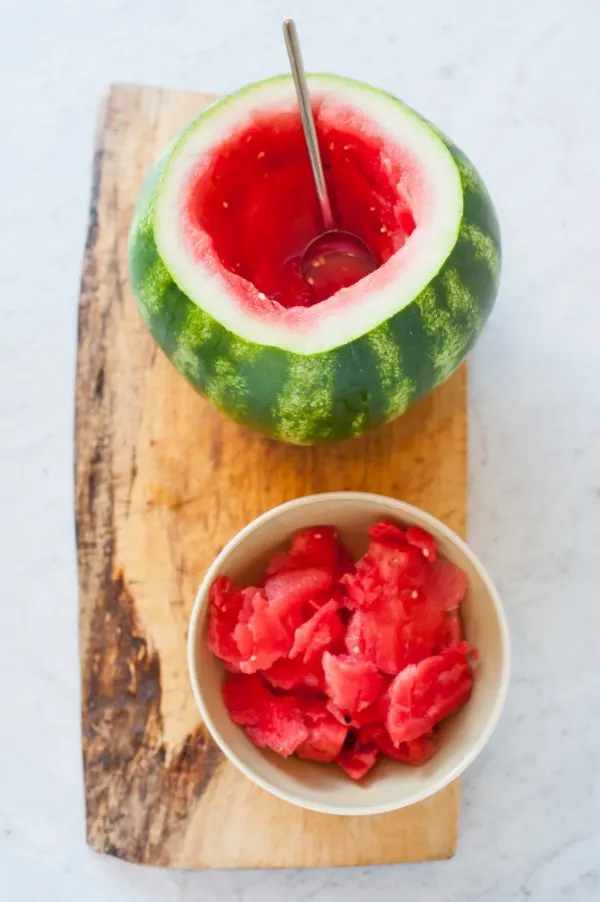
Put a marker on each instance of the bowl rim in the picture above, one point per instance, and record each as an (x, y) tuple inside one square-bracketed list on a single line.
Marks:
[(409, 510)]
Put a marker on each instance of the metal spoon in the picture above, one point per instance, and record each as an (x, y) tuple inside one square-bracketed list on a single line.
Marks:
[(335, 258)]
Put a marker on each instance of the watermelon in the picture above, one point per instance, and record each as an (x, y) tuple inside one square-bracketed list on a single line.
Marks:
[(351, 684), (423, 694), (288, 591), (218, 233), (326, 735), (296, 674), (318, 633), (226, 604), (260, 634), (341, 663), (317, 546), (418, 751), (357, 762), (271, 721)]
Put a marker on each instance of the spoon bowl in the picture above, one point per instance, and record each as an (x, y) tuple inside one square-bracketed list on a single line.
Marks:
[(336, 259)]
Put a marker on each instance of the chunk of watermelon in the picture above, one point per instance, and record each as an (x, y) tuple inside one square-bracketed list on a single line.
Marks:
[(450, 632), (386, 533), (401, 567), (446, 585), (326, 736), (425, 693), (319, 633), (351, 684), (384, 574), (357, 762), (226, 603), (364, 587), (416, 752), (271, 721), (322, 547), (260, 635), (423, 541), (246, 698), (287, 592), (317, 546), (280, 730), (390, 639), (286, 674)]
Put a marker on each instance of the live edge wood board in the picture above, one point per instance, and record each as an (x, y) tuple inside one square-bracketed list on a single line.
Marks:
[(162, 482)]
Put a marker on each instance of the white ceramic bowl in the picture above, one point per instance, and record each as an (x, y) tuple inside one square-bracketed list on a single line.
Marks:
[(324, 787)]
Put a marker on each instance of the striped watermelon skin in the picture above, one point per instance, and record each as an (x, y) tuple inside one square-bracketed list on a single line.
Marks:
[(345, 391)]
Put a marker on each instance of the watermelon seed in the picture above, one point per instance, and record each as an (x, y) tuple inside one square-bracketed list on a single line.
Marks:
[(225, 204), (310, 280), (331, 146), (260, 155), (383, 230), (372, 209), (414, 594)]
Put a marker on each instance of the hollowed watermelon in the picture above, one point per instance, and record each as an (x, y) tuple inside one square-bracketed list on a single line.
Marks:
[(216, 242)]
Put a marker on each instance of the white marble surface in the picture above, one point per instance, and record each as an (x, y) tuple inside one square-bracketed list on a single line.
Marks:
[(516, 84)]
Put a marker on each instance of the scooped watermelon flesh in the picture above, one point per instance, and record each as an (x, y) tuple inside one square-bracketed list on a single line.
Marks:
[(257, 201), (225, 214)]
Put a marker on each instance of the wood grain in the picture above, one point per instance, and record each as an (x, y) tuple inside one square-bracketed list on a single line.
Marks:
[(162, 482)]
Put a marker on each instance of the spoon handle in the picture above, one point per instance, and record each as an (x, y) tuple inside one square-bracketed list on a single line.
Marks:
[(308, 122)]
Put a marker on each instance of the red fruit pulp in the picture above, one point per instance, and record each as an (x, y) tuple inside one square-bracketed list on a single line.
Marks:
[(396, 612), (257, 202)]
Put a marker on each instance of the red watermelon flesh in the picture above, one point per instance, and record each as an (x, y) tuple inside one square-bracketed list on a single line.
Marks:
[(423, 541), (320, 632), (425, 693), (351, 684), (326, 735), (396, 614), (226, 603), (357, 762), (246, 698), (391, 641), (261, 639), (450, 632), (281, 731), (446, 585), (385, 533), (399, 567), (318, 546), (416, 752), (287, 674), (287, 592), (374, 713), (271, 721)]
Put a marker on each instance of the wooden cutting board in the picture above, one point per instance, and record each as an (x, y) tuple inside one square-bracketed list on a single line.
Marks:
[(162, 482)]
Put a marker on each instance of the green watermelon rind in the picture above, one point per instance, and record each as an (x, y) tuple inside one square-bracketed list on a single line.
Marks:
[(345, 391)]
